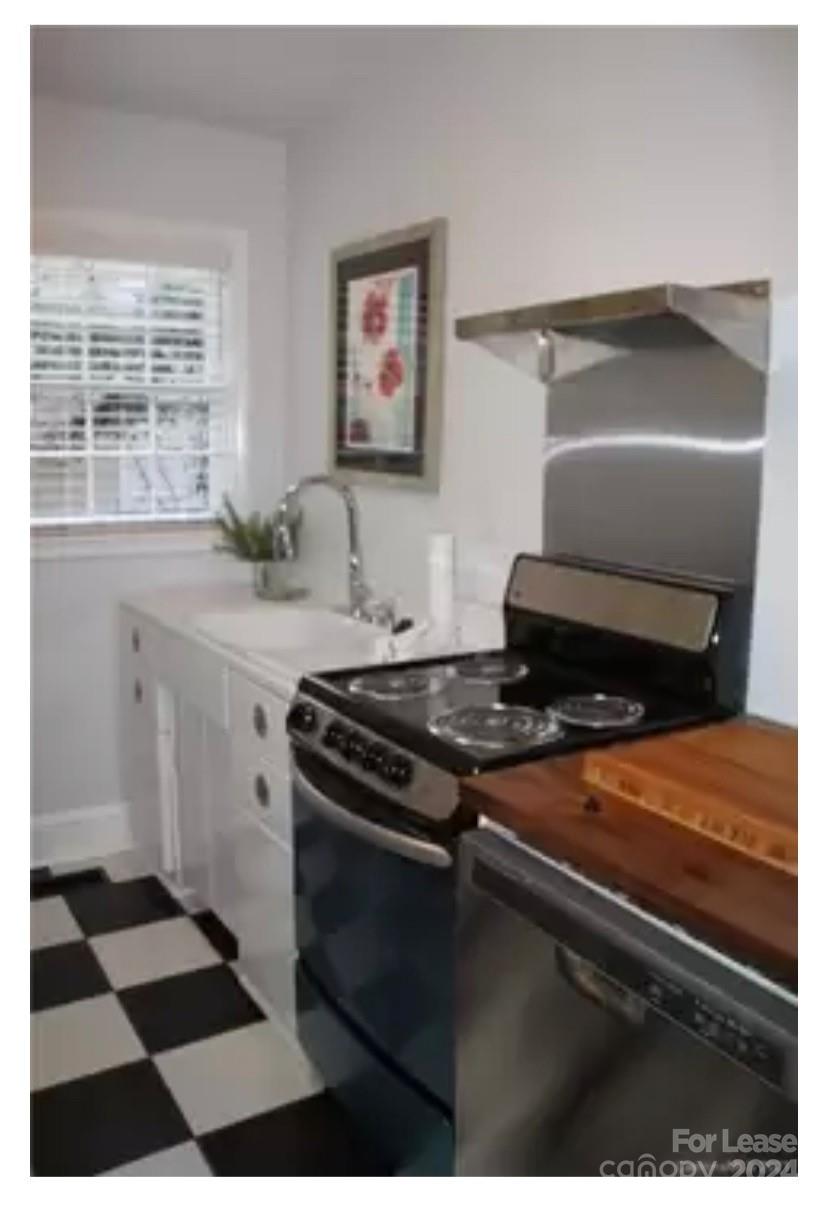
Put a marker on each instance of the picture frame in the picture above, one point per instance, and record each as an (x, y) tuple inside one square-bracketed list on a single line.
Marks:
[(387, 331)]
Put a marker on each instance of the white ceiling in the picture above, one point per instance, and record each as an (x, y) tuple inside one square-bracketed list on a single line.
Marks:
[(268, 80)]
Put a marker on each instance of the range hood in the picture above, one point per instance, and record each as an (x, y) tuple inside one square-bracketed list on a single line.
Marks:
[(655, 420), (561, 338)]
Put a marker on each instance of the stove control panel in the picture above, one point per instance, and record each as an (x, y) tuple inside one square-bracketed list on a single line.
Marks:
[(373, 756), (302, 717), (358, 752)]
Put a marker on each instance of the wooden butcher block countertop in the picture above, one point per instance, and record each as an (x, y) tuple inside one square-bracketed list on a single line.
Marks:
[(699, 825)]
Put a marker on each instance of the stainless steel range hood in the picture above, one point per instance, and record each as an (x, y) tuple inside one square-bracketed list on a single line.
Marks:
[(655, 422), (559, 338)]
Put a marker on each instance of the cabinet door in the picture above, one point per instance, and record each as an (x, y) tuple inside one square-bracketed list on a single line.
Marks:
[(138, 739), (193, 801), (254, 898), (266, 933), (217, 787)]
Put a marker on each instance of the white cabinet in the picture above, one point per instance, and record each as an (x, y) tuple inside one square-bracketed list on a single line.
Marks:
[(194, 673), (195, 838), (257, 721), (206, 771), (254, 862), (174, 749), (254, 875), (261, 754), (264, 790), (217, 787)]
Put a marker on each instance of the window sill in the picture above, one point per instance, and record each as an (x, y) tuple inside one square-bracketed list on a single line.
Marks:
[(72, 543)]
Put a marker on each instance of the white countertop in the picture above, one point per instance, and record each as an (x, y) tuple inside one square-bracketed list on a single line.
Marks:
[(177, 609)]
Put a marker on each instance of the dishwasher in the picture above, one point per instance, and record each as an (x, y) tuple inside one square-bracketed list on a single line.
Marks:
[(595, 1039)]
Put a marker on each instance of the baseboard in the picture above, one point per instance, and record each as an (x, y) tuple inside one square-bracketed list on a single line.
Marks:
[(284, 1022), (79, 835)]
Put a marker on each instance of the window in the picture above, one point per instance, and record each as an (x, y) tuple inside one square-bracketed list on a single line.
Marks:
[(130, 397)]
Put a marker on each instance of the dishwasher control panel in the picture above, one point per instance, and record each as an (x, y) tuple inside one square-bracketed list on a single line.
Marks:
[(736, 1015), (722, 1029)]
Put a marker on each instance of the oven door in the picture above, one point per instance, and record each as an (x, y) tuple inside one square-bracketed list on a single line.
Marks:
[(375, 924)]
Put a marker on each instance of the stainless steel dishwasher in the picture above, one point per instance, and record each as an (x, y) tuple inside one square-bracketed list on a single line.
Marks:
[(595, 1039)]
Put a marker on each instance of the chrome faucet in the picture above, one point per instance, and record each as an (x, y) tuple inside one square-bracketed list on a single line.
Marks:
[(361, 602)]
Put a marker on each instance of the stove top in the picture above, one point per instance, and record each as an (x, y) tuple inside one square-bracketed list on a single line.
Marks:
[(492, 669), (500, 727), (396, 685), (483, 711), (593, 654), (598, 711)]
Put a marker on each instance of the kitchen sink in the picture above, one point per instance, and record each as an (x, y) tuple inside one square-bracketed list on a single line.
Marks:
[(273, 626), (304, 638)]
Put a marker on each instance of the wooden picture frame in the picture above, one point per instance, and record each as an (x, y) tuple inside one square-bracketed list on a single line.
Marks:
[(387, 329)]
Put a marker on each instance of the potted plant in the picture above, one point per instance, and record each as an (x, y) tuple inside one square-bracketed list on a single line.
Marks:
[(252, 539)]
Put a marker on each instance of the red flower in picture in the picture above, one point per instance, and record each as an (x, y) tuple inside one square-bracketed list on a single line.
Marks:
[(374, 316), (391, 373)]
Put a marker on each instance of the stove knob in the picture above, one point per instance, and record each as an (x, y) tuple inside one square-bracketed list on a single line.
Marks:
[(373, 758), (302, 717), (355, 746), (335, 735), (398, 770)]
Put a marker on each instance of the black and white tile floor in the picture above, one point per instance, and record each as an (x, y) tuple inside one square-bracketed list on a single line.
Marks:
[(149, 1057)]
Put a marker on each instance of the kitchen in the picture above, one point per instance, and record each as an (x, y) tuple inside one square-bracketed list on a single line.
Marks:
[(208, 182)]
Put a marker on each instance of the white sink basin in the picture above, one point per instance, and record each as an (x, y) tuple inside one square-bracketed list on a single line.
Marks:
[(275, 626)]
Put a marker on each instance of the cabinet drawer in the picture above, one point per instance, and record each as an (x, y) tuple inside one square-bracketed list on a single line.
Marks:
[(263, 790), (257, 721)]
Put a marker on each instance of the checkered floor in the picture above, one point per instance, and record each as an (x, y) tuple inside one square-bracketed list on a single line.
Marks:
[(149, 1058)]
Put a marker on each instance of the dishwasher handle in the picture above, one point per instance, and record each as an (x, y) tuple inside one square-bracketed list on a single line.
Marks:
[(404, 844), (592, 983)]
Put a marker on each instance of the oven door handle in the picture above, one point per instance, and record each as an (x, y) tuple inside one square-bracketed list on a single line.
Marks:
[(413, 848)]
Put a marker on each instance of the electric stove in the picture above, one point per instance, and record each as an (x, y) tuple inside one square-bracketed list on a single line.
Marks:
[(593, 654)]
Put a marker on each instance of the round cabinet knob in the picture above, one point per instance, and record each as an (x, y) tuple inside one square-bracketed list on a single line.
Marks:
[(302, 718), (260, 720), (262, 790), (138, 691), (136, 640), (399, 771)]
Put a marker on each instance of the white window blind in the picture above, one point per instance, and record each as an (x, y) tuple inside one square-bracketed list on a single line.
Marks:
[(131, 415)]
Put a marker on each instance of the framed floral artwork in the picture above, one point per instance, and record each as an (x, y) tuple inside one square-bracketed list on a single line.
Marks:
[(387, 321)]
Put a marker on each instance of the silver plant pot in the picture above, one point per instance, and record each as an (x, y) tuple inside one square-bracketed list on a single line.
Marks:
[(271, 580)]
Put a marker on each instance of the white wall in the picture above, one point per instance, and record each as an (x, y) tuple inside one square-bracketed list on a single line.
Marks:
[(140, 174), (74, 682), (567, 161)]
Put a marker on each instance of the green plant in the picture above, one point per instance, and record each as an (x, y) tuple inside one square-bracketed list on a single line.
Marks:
[(250, 539)]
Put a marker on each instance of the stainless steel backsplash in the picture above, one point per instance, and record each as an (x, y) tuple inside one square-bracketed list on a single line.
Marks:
[(654, 459)]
